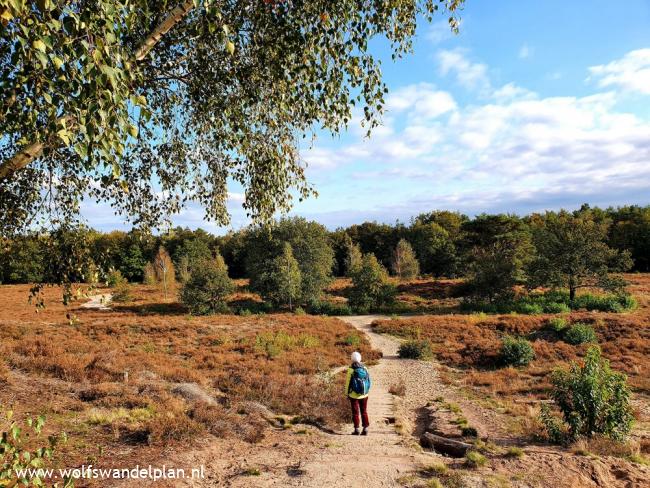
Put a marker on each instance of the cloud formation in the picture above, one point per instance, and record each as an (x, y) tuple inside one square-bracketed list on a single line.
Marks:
[(630, 73)]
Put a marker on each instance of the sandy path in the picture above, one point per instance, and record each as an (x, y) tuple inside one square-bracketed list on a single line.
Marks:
[(384, 456), (98, 302)]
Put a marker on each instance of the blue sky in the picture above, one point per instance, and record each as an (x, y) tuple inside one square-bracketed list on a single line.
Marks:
[(534, 105)]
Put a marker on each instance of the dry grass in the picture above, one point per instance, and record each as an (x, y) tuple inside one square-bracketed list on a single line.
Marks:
[(109, 377)]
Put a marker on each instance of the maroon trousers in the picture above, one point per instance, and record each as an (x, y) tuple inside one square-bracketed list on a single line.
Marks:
[(359, 405)]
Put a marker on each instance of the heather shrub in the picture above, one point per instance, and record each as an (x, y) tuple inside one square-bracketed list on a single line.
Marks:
[(149, 274), (579, 333), (516, 351), (208, 287), (415, 350), (593, 400)]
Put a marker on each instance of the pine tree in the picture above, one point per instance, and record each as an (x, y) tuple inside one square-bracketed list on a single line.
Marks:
[(405, 264)]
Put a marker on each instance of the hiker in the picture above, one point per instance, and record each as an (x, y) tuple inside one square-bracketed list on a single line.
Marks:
[(357, 386)]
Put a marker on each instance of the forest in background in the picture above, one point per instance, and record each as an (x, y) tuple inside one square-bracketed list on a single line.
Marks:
[(445, 244)]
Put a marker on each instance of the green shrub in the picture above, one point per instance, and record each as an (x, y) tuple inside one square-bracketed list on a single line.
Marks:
[(120, 285), (515, 452), (122, 292), (475, 459), (593, 399), (352, 340), (299, 311), (370, 286), (329, 308), (557, 325), (579, 333), (528, 308), (516, 351), (415, 350), (207, 288), (555, 307), (115, 278)]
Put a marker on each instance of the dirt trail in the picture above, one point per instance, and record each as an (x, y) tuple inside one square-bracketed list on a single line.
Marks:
[(384, 456), (98, 302)]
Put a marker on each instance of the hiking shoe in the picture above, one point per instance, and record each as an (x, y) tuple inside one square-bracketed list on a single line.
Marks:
[(364, 431), (356, 432)]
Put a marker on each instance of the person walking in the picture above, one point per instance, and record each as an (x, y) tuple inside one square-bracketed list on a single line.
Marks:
[(357, 386)]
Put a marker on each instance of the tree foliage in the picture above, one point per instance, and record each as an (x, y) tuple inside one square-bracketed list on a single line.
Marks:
[(593, 399), (282, 279), (572, 252), (405, 264), (370, 285), (125, 100), (208, 287), (310, 247)]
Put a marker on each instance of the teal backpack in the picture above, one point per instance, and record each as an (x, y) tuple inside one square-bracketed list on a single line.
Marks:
[(360, 381)]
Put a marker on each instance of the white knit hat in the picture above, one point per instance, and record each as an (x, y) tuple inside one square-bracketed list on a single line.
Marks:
[(356, 357)]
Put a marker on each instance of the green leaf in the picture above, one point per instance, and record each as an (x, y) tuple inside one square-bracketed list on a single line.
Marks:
[(133, 131), (64, 136), (58, 62), (40, 45), (230, 47)]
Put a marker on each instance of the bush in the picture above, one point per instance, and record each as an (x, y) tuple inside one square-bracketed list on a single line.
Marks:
[(554, 307), (371, 288), (580, 333), (593, 400), (120, 285), (528, 308), (415, 350), (329, 308), (516, 352), (604, 303), (115, 278), (557, 325), (475, 459), (207, 289)]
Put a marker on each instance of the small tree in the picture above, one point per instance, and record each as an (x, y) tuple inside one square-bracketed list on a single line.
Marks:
[(207, 288), (164, 268), (498, 266), (572, 253), (371, 288), (593, 399), (282, 281), (352, 259), (405, 264), (149, 274)]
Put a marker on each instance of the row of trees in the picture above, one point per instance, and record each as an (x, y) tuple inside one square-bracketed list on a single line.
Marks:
[(495, 251)]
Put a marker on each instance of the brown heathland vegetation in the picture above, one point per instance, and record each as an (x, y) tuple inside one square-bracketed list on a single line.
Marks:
[(145, 374)]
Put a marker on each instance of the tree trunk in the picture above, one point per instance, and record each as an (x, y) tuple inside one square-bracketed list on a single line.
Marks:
[(572, 293), (443, 445)]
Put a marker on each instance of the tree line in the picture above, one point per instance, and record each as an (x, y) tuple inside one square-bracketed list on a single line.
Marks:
[(495, 251)]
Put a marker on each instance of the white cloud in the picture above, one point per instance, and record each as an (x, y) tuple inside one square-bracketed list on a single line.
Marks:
[(421, 100), (525, 51), (439, 32), (473, 76), (630, 73)]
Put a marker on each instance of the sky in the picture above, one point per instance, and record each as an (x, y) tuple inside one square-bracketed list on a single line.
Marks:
[(532, 106)]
